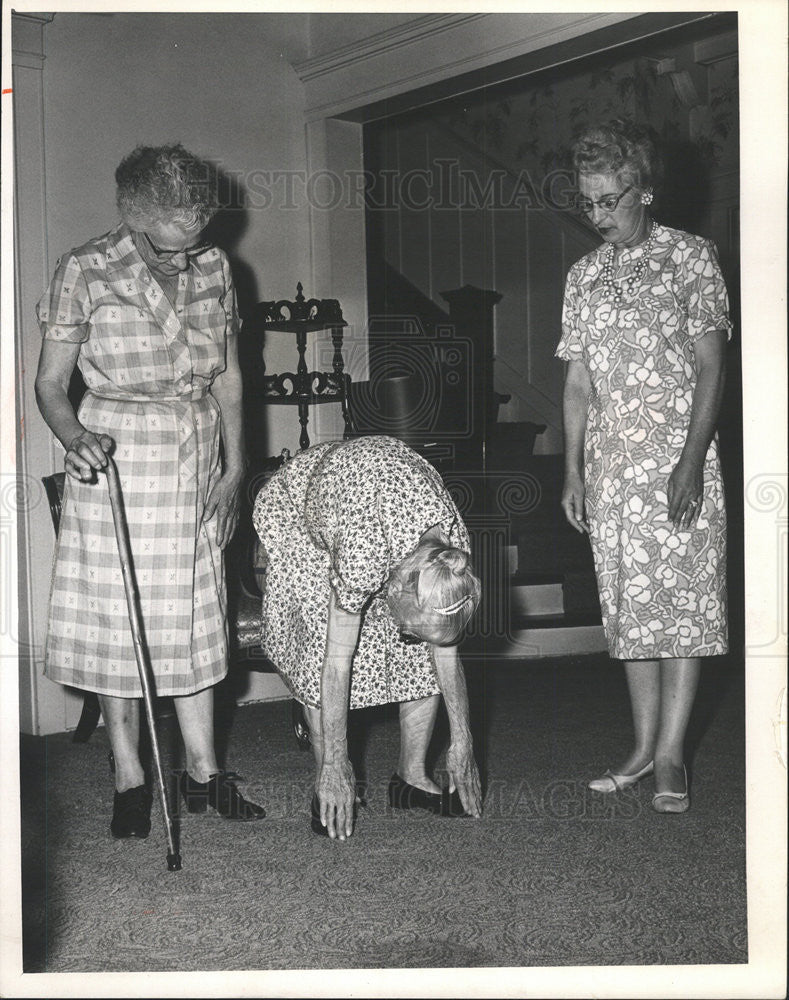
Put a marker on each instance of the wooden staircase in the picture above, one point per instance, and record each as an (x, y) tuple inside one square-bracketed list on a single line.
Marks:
[(540, 591), (540, 594)]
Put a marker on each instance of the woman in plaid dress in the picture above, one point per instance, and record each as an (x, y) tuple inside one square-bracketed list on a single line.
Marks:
[(147, 312)]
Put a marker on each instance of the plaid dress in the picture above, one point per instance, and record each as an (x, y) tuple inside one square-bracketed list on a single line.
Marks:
[(148, 365)]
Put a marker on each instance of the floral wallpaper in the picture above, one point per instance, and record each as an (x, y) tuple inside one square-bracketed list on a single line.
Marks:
[(529, 126)]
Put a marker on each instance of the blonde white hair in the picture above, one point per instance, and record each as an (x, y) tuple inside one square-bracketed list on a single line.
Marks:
[(434, 592)]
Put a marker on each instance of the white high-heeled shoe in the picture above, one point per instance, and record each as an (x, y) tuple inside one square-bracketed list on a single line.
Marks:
[(611, 782), (675, 802)]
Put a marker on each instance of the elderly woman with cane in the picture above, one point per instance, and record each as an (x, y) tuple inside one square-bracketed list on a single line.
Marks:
[(645, 327), (367, 591), (147, 312)]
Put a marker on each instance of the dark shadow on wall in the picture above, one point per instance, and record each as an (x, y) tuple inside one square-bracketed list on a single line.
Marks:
[(226, 230), (684, 197)]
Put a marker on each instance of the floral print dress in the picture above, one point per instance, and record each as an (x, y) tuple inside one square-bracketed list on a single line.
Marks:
[(662, 590), (339, 517)]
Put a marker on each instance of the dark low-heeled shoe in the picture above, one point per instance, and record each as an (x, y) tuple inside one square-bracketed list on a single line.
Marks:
[(219, 792), (402, 795), (315, 819), (131, 813)]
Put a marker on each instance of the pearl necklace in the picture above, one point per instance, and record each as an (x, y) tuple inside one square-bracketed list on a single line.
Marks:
[(610, 287)]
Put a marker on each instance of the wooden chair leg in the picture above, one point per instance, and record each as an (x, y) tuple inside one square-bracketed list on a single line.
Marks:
[(91, 713)]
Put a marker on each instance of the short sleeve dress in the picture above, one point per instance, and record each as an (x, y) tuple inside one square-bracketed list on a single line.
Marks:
[(148, 364), (662, 590), (340, 516)]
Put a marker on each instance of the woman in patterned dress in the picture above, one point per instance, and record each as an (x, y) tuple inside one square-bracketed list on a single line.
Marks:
[(367, 590), (644, 330), (147, 312)]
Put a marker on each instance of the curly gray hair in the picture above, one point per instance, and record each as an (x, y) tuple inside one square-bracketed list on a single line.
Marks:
[(166, 185), (618, 146)]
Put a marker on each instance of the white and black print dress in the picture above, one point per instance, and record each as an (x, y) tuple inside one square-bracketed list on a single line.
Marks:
[(340, 517), (662, 589)]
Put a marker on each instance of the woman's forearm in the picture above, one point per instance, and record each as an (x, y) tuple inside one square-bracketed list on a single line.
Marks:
[(341, 640), (57, 411), (452, 682), (707, 398), (228, 391), (335, 685), (577, 387), (56, 364), (574, 430)]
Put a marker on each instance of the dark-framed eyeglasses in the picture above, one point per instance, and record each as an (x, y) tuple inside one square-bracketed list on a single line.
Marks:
[(189, 252), (608, 203)]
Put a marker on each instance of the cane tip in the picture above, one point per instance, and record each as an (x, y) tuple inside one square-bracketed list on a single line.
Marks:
[(173, 862)]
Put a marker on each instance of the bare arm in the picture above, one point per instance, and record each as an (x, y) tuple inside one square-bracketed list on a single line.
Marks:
[(336, 787), (227, 389), (577, 386), (85, 452), (463, 771), (686, 482)]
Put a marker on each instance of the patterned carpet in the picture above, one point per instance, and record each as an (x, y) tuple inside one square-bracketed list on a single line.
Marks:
[(551, 876)]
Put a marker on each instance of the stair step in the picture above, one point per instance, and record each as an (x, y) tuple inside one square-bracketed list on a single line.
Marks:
[(561, 620), (555, 641), (526, 579), (535, 642), (536, 598)]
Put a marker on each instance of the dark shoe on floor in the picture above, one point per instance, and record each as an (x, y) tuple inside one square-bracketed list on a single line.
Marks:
[(131, 813), (219, 792), (405, 796), (315, 819), (451, 804)]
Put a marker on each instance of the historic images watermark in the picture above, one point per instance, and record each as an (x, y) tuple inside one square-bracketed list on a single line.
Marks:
[(19, 495), (767, 495), (523, 801), (444, 185)]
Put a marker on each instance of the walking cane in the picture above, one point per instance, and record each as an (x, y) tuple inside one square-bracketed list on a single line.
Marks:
[(140, 652)]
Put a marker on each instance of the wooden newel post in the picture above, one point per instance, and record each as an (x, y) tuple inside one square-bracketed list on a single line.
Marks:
[(471, 314)]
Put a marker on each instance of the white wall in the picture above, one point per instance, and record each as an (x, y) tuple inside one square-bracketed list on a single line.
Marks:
[(224, 85), (208, 81), (212, 82)]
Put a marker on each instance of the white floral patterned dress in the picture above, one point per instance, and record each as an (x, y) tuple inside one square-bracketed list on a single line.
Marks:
[(662, 590), (341, 516)]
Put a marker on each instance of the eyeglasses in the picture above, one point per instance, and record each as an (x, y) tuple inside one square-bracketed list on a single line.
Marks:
[(188, 252), (608, 203)]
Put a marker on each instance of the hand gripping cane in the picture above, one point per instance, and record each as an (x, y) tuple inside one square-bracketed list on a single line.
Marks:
[(140, 652)]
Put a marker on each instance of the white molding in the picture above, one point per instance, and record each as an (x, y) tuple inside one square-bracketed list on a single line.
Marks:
[(712, 50), (382, 41), (27, 36), (47, 702), (28, 60), (333, 74), (41, 18)]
